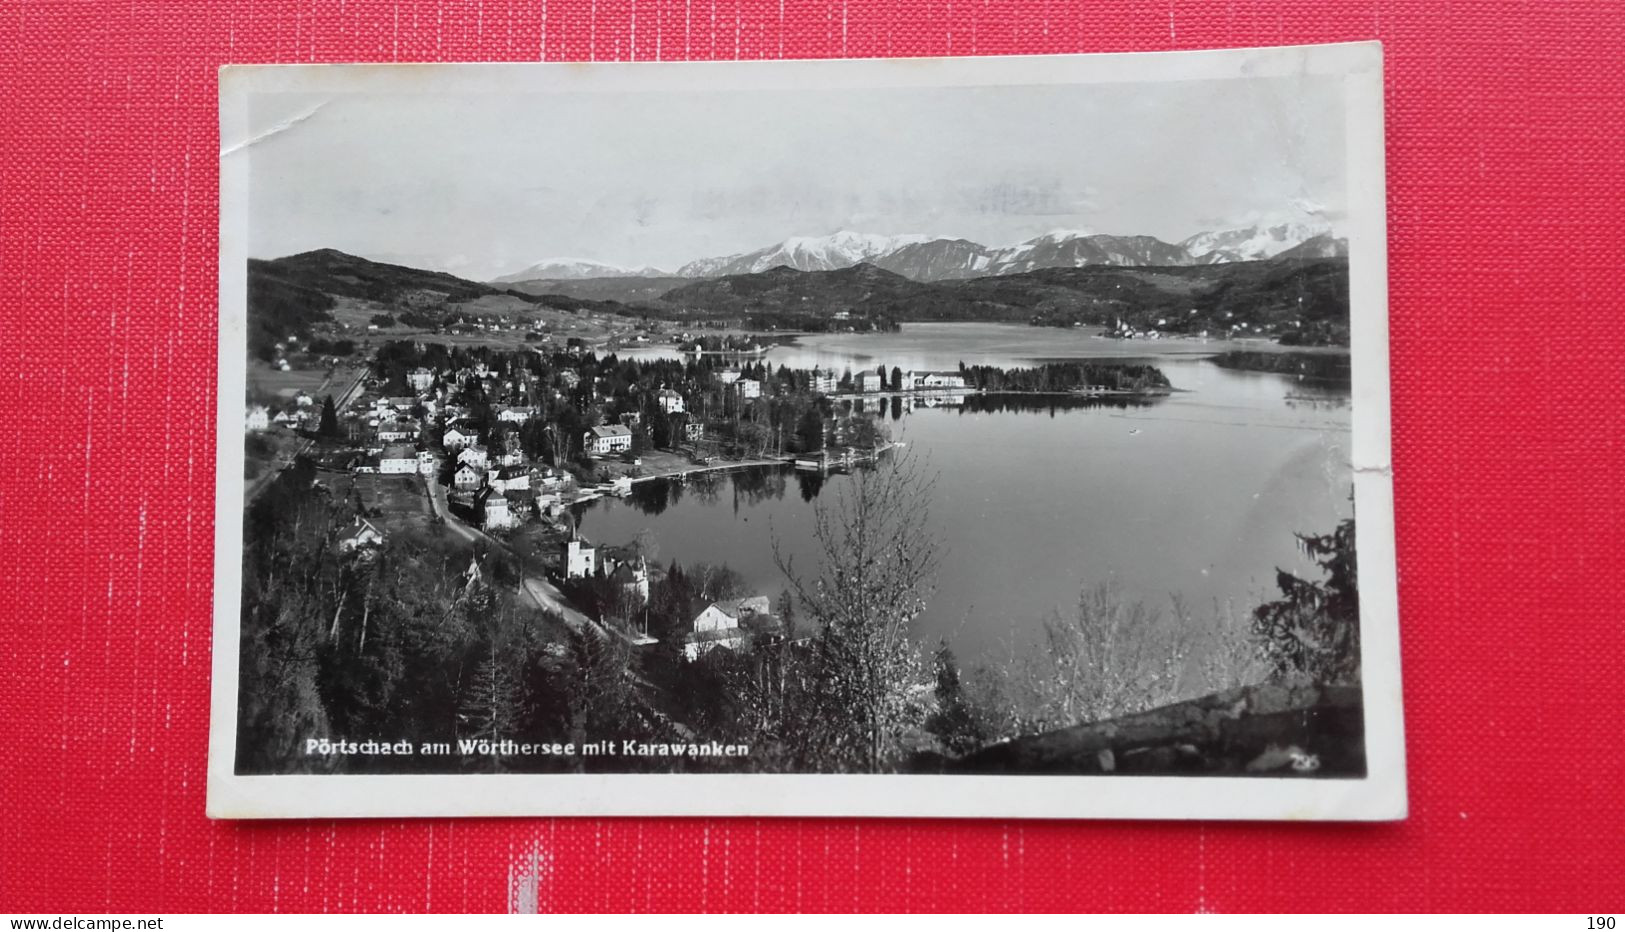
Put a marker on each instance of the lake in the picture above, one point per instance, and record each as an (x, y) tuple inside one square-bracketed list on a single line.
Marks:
[(1197, 494)]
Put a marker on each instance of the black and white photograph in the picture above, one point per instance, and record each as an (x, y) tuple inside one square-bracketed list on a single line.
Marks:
[(948, 437)]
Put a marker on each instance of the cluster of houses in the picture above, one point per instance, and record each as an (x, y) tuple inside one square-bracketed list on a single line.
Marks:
[(502, 489), (871, 381), (739, 383), (1123, 330), (300, 412), (500, 485), (827, 382), (730, 624), (910, 381)]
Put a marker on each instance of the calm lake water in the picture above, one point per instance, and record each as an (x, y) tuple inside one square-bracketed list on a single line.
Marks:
[(1197, 494)]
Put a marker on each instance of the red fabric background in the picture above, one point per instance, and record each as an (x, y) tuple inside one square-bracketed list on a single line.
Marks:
[(1506, 149)]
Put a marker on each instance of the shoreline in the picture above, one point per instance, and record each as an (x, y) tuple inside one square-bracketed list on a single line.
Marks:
[(1055, 393), (786, 460)]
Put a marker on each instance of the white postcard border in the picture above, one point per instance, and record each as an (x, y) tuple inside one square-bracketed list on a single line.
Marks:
[(1379, 796)]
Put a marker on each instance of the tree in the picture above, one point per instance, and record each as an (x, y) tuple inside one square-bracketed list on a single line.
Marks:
[(787, 613), (660, 429), (647, 546), (329, 424), (598, 686), (810, 430), (1110, 657), (954, 722), (896, 379), (879, 561), (535, 441), (1315, 627), (490, 702), (715, 582)]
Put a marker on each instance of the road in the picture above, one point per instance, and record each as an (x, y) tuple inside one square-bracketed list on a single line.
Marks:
[(256, 486), (546, 596)]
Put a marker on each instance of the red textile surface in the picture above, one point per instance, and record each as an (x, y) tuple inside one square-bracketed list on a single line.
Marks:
[(1506, 148)]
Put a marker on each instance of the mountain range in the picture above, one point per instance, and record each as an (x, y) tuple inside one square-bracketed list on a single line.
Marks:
[(1301, 292), (1309, 294), (937, 258), (575, 270)]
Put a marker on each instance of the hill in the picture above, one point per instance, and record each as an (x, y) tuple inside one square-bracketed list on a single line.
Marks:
[(785, 290), (628, 289), (1306, 300), (293, 294)]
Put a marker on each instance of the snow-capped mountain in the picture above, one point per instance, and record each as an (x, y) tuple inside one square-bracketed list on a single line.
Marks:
[(939, 260), (1075, 249), (806, 254), (575, 269), (1324, 246), (927, 258), (1254, 242)]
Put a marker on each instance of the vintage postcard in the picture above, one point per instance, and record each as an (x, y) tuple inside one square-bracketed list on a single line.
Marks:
[(999, 437)]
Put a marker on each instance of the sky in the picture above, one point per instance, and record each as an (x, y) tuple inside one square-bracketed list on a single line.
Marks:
[(484, 185)]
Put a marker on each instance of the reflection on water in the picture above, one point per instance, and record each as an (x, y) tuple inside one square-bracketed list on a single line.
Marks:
[(1197, 493)]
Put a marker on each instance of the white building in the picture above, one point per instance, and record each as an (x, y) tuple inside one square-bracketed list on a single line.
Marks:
[(396, 431), (632, 576), (825, 382), (259, 418), (670, 401), (516, 415), (748, 388), (427, 462), (613, 438), (728, 376), (360, 534), (580, 559), (398, 460), (729, 624), (467, 477), (420, 379), (456, 438), (929, 381), (870, 382), (494, 511), (474, 455)]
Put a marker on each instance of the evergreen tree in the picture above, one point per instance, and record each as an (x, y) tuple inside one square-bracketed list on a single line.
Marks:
[(810, 431), (1315, 627), (954, 722), (489, 709), (329, 425), (598, 686)]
